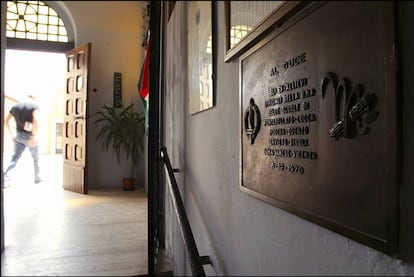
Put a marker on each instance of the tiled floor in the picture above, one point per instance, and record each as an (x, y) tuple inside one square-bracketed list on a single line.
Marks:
[(53, 232)]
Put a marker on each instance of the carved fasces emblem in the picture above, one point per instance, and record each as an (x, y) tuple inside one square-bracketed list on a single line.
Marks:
[(252, 121), (354, 110)]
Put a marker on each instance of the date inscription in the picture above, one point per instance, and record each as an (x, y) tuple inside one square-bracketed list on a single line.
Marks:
[(292, 168)]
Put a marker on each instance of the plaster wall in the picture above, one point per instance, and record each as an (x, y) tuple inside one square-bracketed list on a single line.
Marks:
[(241, 234), (114, 29), (175, 136)]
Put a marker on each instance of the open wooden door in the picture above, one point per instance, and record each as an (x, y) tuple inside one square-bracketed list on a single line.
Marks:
[(74, 135)]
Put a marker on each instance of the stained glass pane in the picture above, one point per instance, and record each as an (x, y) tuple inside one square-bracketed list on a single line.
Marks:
[(31, 35), (31, 17), (43, 19), (12, 9), (34, 6), (53, 30), (20, 35), (63, 39), (42, 29), (30, 26), (62, 31), (11, 24), (12, 16), (52, 13), (53, 20), (21, 8), (20, 26), (52, 37), (30, 10), (42, 37), (43, 10)]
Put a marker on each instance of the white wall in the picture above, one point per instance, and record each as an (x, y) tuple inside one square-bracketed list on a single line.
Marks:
[(176, 105), (241, 234), (115, 30)]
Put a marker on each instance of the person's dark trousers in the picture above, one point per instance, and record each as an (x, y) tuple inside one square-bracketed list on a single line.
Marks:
[(20, 143)]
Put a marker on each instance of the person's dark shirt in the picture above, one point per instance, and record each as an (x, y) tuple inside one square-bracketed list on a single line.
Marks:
[(22, 113)]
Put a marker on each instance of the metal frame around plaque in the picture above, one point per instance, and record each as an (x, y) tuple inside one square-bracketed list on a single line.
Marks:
[(326, 145)]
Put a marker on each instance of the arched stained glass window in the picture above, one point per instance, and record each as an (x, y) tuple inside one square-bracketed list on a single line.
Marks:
[(34, 20)]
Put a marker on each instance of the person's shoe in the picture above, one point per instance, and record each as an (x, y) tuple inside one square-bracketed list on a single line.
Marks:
[(38, 180)]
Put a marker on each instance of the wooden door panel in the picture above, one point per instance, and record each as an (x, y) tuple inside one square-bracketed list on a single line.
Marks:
[(74, 140)]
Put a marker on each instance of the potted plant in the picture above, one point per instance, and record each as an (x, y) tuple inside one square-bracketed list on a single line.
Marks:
[(122, 130)]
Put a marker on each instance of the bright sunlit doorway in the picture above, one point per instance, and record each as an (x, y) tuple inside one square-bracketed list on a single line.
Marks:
[(41, 74)]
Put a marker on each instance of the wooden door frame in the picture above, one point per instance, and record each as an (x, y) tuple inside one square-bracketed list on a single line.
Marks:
[(154, 132)]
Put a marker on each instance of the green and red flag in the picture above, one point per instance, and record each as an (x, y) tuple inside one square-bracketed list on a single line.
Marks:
[(143, 86)]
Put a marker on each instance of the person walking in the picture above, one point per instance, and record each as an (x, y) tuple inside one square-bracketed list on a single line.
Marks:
[(26, 116)]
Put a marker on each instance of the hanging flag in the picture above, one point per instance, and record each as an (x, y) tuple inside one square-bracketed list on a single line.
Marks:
[(143, 86)]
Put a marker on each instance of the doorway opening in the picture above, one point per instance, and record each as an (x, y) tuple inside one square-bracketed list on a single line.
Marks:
[(41, 74), (50, 230)]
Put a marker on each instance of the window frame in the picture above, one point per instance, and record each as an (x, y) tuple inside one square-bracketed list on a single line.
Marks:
[(274, 20), (212, 58)]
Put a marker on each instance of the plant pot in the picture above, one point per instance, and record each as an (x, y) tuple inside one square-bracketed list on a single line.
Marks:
[(128, 183)]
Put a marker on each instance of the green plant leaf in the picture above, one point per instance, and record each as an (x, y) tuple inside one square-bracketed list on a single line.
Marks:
[(121, 129)]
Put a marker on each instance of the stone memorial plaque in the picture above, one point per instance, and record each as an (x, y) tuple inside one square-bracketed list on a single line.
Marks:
[(318, 120)]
